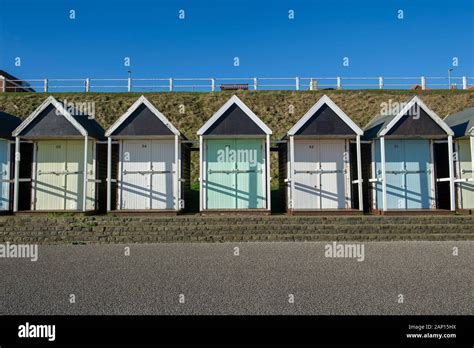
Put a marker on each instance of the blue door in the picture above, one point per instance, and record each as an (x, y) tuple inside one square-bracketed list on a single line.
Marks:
[(407, 173), (4, 175)]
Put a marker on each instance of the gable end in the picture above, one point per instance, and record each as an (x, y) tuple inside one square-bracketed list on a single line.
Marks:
[(234, 121)]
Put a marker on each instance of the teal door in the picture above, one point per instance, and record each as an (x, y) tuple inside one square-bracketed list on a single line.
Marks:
[(4, 175), (408, 176), (465, 166), (235, 174)]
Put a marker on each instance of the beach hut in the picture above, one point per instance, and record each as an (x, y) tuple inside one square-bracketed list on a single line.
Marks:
[(63, 173), (8, 123), (153, 162), (234, 160), (412, 152), (462, 124), (319, 165)]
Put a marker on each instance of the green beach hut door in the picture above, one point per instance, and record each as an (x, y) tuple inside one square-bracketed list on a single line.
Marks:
[(249, 175), (467, 188), (4, 175), (407, 174), (235, 174)]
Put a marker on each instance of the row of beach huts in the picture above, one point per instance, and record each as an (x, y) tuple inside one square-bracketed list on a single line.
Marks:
[(409, 161)]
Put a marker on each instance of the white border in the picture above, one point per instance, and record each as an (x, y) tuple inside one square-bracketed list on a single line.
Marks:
[(322, 101), (131, 109), (234, 100), (432, 114), (50, 100)]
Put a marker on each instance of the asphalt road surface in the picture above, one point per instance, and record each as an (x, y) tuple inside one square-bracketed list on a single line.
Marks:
[(265, 278)]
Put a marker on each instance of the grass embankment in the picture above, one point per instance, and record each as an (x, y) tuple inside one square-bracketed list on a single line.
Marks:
[(278, 109)]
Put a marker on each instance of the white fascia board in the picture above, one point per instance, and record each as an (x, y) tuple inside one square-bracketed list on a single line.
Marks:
[(234, 100), (131, 109), (50, 100), (325, 100), (431, 113)]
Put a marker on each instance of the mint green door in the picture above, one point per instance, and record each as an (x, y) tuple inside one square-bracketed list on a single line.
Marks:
[(4, 175), (221, 184), (467, 188), (250, 188), (235, 174)]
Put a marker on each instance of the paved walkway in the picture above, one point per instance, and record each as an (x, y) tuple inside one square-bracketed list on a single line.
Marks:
[(261, 280)]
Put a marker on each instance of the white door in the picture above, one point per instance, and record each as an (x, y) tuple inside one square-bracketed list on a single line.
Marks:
[(305, 175), (163, 169), (319, 175), (135, 185), (332, 184), (51, 175)]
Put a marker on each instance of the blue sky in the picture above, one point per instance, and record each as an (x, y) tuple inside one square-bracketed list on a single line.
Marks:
[(259, 32)]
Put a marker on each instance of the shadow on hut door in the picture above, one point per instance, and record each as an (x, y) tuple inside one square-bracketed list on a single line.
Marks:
[(135, 184), (249, 174), (4, 175), (221, 183), (51, 175)]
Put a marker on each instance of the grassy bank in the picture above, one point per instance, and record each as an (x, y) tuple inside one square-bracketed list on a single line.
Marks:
[(278, 109)]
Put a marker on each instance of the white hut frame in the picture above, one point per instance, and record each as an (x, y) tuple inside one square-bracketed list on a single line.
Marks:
[(69, 117), (178, 201), (203, 155), (324, 100), (384, 131)]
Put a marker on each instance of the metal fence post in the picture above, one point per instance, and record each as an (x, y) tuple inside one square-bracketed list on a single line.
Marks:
[(213, 84), (464, 82), (297, 81), (311, 84), (423, 83), (45, 85), (129, 84), (171, 84), (254, 83), (339, 82), (88, 85), (3, 84), (380, 82)]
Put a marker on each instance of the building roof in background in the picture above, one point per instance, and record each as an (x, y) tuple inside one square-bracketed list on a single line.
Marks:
[(21, 83), (462, 123), (8, 124)]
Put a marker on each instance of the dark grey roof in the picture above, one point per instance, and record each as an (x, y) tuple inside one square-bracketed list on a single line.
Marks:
[(92, 127), (422, 125), (89, 123), (379, 122), (234, 121), (461, 122), (8, 123), (325, 122), (47, 124), (142, 122)]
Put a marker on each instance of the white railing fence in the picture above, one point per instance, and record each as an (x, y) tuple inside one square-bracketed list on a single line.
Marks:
[(228, 83)]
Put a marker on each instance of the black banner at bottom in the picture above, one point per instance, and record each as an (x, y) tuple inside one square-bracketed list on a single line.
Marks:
[(391, 331)]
